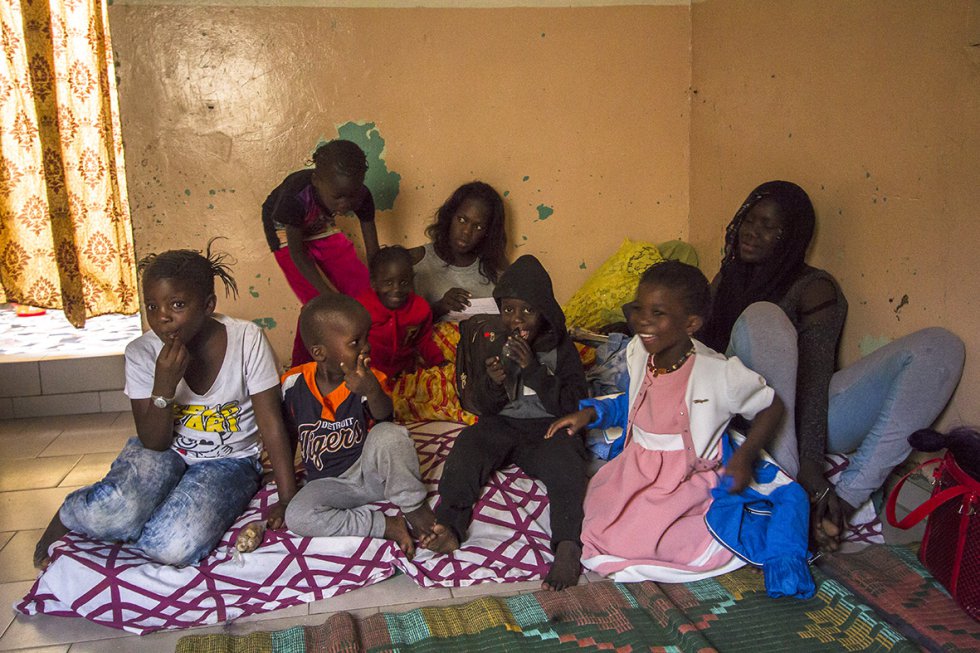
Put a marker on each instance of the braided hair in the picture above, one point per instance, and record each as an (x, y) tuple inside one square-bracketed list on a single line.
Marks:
[(388, 254), (492, 256), (345, 157), (745, 283), (192, 268)]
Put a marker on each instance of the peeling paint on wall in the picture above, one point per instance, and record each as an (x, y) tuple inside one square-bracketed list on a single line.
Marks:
[(266, 323), (901, 304), (868, 344), (544, 212), (382, 182)]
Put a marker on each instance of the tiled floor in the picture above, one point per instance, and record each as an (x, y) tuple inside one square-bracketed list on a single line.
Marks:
[(42, 459)]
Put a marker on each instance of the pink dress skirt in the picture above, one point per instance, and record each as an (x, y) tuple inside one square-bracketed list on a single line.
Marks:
[(644, 510)]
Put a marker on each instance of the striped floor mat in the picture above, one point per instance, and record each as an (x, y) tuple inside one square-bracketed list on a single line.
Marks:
[(856, 608)]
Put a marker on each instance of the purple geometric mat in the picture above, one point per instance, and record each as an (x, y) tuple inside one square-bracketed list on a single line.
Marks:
[(115, 586)]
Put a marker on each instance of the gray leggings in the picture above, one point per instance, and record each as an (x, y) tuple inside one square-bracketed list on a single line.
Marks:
[(874, 404), (388, 470)]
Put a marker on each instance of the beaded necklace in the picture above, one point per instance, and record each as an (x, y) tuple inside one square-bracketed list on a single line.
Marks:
[(657, 371)]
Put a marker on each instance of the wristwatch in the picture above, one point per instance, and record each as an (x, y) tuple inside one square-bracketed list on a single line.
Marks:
[(162, 402)]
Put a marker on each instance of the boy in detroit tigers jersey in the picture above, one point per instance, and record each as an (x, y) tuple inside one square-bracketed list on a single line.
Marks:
[(338, 408)]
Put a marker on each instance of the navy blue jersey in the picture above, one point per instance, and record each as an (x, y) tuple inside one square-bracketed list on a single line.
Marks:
[(331, 429)]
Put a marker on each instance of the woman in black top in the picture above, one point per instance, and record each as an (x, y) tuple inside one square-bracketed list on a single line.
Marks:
[(783, 319)]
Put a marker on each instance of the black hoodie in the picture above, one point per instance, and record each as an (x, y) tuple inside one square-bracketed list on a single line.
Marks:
[(556, 376)]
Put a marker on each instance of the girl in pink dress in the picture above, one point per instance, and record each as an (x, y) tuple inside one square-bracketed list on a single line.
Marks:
[(644, 510)]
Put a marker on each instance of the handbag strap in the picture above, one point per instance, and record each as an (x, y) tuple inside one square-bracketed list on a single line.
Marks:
[(923, 511)]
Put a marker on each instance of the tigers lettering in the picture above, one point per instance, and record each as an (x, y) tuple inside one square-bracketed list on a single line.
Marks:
[(326, 437)]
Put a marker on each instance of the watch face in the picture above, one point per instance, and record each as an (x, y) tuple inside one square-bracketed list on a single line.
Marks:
[(160, 402)]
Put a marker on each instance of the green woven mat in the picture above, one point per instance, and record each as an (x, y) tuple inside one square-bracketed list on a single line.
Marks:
[(729, 613)]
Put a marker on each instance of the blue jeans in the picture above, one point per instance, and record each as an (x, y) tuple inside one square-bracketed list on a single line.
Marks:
[(173, 512), (874, 404)]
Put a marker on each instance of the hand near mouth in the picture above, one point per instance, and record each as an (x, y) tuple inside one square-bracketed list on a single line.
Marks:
[(172, 362), (361, 379), (517, 350)]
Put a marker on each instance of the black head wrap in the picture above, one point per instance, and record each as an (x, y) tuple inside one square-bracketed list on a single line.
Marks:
[(742, 283)]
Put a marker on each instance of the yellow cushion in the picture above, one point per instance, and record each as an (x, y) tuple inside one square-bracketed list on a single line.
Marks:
[(600, 300)]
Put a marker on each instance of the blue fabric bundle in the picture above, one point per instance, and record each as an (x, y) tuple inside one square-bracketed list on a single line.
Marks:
[(766, 525)]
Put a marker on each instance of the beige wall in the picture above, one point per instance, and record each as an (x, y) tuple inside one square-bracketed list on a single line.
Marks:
[(582, 111), (874, 108)]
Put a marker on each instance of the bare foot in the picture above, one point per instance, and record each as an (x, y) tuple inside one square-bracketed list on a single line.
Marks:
[(421, 520), (829, 528), (826, 536), (396, 530), (51, 534), (441, 539), (565, 569), (250, 537)]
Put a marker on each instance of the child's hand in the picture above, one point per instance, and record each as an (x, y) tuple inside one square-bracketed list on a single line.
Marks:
[(361, 380), (572, 424), (172, 362), (519, 351), (495, 370), (739, 468), (277, 516), (455, 299)]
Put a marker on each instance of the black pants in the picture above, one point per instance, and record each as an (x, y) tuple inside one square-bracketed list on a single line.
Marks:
[(496, 442)]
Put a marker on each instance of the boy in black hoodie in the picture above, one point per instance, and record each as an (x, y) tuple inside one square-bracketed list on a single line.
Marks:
[(537, 377)]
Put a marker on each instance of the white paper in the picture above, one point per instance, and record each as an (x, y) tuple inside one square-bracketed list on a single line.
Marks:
[(478, 306)]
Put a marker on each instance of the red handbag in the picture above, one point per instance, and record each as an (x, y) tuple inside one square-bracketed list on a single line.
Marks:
[(951, 545)]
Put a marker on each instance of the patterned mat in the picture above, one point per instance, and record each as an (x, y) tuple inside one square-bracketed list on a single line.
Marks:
[(116, 586), (731, 613), (892, 579)]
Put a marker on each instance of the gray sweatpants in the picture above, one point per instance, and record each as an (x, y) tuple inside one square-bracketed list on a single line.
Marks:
[(388, 469)]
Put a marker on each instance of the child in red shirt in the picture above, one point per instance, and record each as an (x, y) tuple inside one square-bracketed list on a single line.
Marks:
[(401, 321)]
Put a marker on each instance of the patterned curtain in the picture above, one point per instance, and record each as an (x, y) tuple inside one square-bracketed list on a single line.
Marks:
[(65, 234)]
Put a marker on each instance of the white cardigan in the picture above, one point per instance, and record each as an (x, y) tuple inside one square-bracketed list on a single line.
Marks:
[(719, 389)]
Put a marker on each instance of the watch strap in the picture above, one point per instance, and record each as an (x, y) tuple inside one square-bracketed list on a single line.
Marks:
[(162, 402)]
